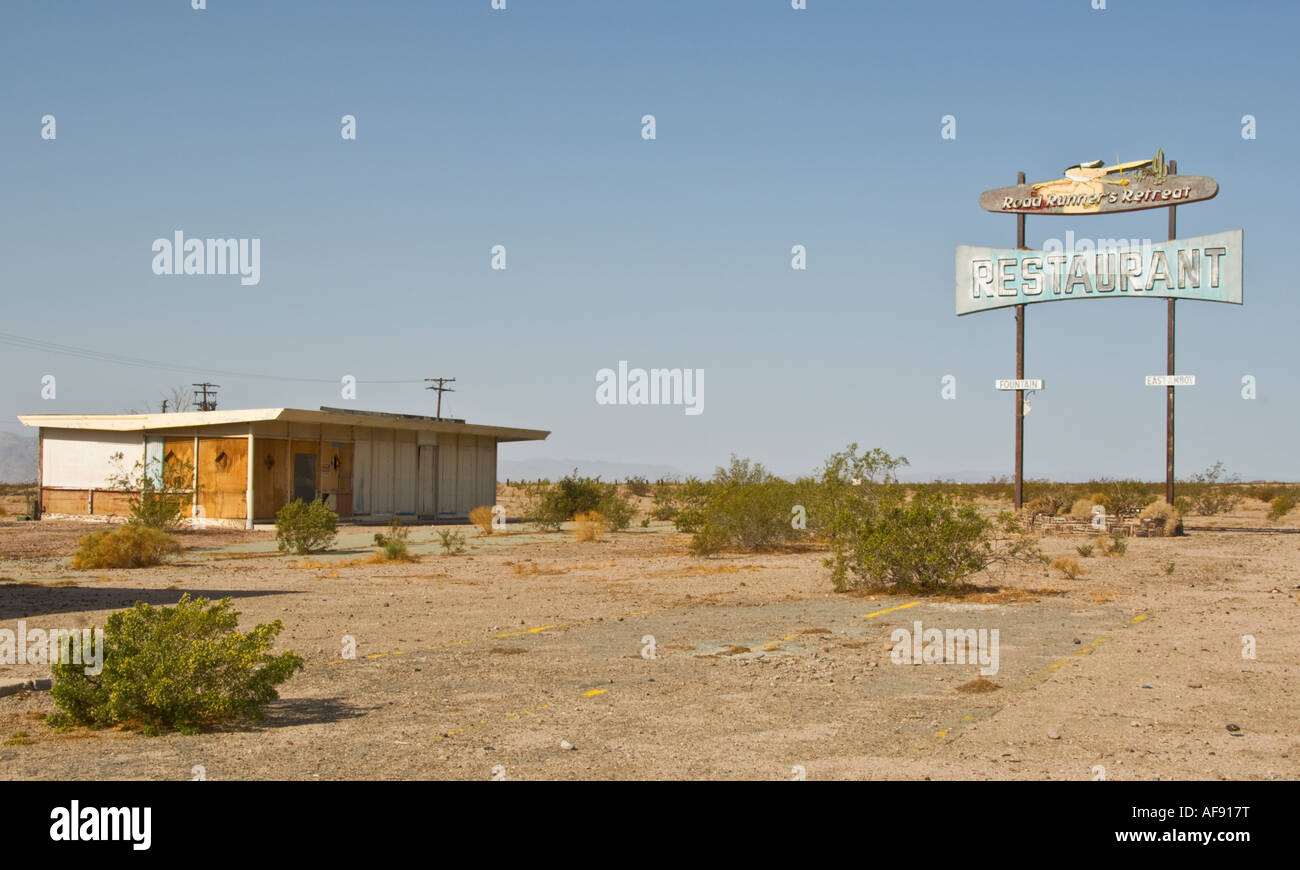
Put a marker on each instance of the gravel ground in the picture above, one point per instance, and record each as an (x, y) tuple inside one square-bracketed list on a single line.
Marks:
[(491, 663)]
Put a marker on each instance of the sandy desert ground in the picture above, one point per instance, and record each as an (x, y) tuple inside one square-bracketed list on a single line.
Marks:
[(492, 663)]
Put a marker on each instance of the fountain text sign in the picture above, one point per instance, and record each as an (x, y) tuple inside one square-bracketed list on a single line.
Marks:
[(1208, 268)]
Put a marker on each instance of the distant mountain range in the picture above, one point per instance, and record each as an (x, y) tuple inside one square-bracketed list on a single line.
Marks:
[(17, 458), (554, 469)]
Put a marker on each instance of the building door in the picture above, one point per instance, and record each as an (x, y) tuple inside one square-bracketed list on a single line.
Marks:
[(428, 477), (304, 476)]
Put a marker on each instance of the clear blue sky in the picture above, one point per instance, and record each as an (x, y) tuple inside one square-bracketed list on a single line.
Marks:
[(775, 127)]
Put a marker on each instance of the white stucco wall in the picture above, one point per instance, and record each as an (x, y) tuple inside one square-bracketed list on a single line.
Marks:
[(83, 458)]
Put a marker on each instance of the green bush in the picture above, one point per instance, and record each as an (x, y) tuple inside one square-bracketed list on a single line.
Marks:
[(924, 544), (747, 517), (539, 506), (551, 505), (1125, 497), (1211, 494), (1281, 506), (844, 491), (690, 499), (182, 667), (305, 527), (129, 546), (664, 500), (161, 491), (573, 495), (616, 508), (1265, 492), (452, 541), (393, 544), (1054, 502)]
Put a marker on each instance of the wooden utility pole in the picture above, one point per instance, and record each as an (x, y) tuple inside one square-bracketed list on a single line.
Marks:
[(439, 384), (206, 403)]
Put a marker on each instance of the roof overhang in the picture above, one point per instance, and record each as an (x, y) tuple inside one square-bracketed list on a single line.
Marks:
[(199, 419)]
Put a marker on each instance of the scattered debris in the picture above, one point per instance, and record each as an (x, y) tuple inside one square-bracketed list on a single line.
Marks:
[(979, 685)]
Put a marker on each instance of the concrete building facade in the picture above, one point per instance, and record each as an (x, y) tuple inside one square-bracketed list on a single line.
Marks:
[(250, 463)]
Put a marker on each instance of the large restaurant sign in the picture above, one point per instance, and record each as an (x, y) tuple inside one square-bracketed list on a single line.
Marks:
[(1208, 268), (1095, 188)]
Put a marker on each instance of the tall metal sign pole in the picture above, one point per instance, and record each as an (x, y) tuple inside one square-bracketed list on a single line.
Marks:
[(1169, 367), (1020, 369)]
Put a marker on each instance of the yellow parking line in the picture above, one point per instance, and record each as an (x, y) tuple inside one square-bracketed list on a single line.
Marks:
[(526, 631), (890, 610)]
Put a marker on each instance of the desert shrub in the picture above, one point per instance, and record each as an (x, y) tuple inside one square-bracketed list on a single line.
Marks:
[(1082, 508), (616, 509), (925, 544), (1211, 491), (1116, 545), (539, 506), (551, 505), (842, 494), (574, 494), (1281, 505), (1166, 516), (638, 486), (588, 526), (305, 527), (1265, 492), (452, 541), (1126, 497), (664, 501), (1069, 567), (691, 498), (129, 546), (1084, 550), (747, 517), (482, 517), (392, 545), (182, 667), (161, 491), (1054, 502)]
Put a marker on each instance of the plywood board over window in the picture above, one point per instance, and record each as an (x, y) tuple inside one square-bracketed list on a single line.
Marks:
[(179, 451), (223, 477), (336, 475), (270, 482)]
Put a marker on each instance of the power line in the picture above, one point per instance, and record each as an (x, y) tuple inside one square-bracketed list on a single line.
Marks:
[(121, 359)]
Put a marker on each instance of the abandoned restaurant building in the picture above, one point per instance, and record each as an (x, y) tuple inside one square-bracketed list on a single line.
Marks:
[(250, 463)]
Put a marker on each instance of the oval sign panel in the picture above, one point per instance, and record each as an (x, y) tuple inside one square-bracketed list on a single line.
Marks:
[(1096, 188)]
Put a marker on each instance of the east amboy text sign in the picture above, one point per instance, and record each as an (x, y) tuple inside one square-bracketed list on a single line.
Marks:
[(1208, 268)]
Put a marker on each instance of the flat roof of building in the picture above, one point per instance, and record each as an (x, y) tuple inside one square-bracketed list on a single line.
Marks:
[(338, 416)]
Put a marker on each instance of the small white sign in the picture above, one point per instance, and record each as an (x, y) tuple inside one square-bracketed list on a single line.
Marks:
[(1011, 384), (1171, 380)]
